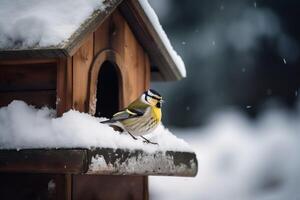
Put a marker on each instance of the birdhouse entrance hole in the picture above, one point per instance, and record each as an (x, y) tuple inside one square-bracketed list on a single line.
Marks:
[(107, 90)]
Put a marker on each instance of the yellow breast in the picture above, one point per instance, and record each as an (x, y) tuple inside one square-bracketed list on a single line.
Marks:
[(156, 113)]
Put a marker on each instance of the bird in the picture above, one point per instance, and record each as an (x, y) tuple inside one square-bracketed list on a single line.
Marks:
[(141, 117)]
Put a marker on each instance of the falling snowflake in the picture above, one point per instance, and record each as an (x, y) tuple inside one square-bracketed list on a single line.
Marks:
[(284, 60)]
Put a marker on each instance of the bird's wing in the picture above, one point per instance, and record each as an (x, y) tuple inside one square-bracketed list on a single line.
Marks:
[(125, 114)]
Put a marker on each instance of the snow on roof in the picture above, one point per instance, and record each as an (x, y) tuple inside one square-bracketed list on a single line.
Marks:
[(156, 24), (42, 23), (23, 126)]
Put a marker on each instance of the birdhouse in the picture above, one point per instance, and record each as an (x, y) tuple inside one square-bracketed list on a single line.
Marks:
[(102, 66)]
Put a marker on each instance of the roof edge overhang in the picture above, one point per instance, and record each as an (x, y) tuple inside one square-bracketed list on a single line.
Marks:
[(35, 53), (160, 58)]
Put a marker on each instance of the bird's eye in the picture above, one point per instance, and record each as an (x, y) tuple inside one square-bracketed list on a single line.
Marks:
[(158, 104)]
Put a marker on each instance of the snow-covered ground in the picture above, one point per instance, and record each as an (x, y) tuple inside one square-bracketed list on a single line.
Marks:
[(23, 126), (240, 160)]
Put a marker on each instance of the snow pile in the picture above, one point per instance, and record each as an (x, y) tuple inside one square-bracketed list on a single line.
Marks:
[(157, 26), (23, 126), (42, 23), (240, 159)]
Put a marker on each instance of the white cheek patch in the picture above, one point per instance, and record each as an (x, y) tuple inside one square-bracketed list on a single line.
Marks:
[(143, 99)]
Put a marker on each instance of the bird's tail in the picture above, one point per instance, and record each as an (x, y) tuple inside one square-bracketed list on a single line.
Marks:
[(106, 121), (109, 121), (112, 123)]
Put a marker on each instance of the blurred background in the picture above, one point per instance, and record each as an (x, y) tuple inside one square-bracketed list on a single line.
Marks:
[(239, 105)]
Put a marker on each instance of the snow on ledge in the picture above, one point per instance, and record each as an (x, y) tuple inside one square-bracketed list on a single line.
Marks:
[(23, 126), (160, 31), (142, 164)]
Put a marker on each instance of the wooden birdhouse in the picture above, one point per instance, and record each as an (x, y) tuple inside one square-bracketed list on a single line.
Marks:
[(107, 62)]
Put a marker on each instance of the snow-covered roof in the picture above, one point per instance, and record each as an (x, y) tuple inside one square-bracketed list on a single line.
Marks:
[(56, 28), (163, 36), (34, 23)]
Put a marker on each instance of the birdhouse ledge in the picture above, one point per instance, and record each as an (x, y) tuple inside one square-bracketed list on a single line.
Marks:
[(77, 143), (138, 162), (101, 161)]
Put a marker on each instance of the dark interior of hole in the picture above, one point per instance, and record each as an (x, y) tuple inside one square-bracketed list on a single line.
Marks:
[(107, 91)]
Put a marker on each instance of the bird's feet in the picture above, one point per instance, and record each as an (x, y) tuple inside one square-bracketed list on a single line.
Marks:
[(148, 141), (132, 136)]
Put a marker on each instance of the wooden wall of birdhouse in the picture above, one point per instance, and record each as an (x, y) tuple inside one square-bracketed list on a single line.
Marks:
[(71, 82), (113, 41)]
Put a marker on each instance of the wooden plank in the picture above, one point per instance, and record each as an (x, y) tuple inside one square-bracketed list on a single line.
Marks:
[(108, 187), (146, 188), (140, 69), (82, 61), (134, 63), (100, 161), (39, 76), (69, 84), (131, 63), (23, 54), (43, 161), (147, 72), (101, 37), (106, 161), (117, 33), (27, 61), (38, 98), (26, 186), (61, 86), (59, 191), (68, 186)]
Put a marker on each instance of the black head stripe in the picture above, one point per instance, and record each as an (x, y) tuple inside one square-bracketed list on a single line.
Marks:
[(154, 92), (154, 97)]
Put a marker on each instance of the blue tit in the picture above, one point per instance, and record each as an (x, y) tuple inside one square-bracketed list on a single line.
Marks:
[(141, 117)]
